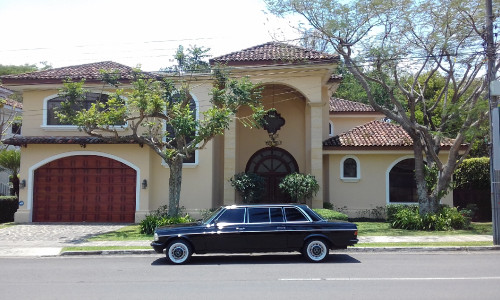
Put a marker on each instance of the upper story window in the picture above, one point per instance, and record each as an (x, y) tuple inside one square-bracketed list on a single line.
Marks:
[(55, 103), (330, 128), (193, 159), (349, 169), (16, 128)]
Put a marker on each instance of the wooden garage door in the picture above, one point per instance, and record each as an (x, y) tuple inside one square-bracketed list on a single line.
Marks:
[(84, 188)]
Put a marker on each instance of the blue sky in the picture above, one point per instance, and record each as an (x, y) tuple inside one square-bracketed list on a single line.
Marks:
[(146, 33)]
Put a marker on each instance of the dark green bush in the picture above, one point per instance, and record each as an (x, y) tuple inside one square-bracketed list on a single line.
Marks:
[(160, 217), (393, 209), (409, 218), (473, 173), (331, 215), (250, 186), (8, 206), (327, 205)]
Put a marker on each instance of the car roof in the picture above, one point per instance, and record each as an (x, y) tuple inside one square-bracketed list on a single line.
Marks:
[(264, 205)]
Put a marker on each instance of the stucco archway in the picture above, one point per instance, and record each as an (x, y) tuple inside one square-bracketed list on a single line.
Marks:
[(402, 187), (273, 164)]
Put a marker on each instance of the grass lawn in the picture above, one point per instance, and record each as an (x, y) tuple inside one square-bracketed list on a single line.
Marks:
[(103, 248), (426, 244), (128, 233), (133, 232), (384, 229), (5, 225)]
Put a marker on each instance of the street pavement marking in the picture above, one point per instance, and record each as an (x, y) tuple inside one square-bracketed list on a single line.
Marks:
[(390, 279)]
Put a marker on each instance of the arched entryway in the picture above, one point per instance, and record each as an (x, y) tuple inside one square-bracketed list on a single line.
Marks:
[(84, 188), (273, 164), (402, 185)]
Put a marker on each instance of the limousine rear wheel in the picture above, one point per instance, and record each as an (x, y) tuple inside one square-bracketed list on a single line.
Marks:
[(315, 250), (179, 252)]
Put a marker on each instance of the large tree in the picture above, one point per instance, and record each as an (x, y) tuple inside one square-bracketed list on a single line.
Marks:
[(400, 46), (159, 114)]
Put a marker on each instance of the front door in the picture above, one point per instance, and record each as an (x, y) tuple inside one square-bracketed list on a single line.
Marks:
[(273, 164)]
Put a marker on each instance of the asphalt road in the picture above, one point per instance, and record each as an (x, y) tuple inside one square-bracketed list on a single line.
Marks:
[(343, 276)]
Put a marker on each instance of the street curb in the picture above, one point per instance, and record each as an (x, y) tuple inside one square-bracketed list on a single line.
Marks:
[(349, 250), (107, 252), (424, 249)]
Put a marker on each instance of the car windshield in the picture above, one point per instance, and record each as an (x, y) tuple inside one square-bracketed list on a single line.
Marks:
[(314, 216), (209, 217)]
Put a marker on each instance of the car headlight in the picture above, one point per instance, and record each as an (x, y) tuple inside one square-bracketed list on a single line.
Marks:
[(156, 237)]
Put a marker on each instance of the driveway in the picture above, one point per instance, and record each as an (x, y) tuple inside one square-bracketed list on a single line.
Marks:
[(47, 239)]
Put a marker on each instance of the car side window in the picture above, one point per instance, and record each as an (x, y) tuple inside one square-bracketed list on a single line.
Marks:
[(294, 215), (277, 215), (236, 215), (258, 215)]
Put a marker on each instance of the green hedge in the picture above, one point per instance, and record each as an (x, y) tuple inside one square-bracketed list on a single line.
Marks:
[(473, 173), (331, 215), (8, 206), (408, 217)]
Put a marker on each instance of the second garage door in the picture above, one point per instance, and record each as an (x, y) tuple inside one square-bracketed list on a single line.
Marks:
[(84, 188)]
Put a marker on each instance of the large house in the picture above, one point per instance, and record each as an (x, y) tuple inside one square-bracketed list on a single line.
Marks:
[(9, 126), (361, 161)]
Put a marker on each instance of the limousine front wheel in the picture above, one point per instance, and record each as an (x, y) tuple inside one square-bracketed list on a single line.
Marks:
[(315, 250), (179, 252)]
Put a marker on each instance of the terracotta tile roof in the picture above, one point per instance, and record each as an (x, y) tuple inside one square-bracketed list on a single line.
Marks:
[(89, 72), (274, 53), (342, 105), (14, 103), (79, 140), (375, 134)]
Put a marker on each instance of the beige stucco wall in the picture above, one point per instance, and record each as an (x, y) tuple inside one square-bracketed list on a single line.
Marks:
[(291, 106), (345, 122), (197, 182), (304, 106), (361, 198)]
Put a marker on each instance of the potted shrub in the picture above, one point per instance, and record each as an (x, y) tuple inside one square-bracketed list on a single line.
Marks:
[(249, 185), (300, 187)]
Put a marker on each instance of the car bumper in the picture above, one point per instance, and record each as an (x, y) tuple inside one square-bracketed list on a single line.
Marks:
[(158, 247)]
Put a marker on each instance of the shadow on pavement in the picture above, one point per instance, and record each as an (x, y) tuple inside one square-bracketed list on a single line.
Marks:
[(257, 259)]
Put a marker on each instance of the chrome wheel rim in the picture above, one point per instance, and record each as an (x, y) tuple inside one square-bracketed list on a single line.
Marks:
[(178, 253), (316, 250)]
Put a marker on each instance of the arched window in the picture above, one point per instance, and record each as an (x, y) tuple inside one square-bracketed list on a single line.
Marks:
[(402, 185), (55, 103), (350, 169), (191, 161), (273, 164)]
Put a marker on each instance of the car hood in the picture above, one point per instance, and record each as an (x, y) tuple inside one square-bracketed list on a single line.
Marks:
[(183, 227)]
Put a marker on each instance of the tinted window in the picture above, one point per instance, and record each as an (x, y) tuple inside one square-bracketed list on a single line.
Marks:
[(294, 215), (54, 104), (312, 214), (236, 215), (258, 215), (350, 168), (277, 214)]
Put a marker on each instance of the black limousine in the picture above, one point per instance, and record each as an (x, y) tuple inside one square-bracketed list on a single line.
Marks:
[(256, 228)]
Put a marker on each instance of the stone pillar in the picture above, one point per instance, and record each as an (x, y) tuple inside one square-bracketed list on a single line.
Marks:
[(316, 152), (229, 163)]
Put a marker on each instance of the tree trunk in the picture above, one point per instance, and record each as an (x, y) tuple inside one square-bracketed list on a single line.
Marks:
[(426, 203), (175, 181)]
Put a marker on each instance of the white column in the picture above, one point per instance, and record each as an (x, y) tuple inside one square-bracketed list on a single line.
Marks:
[(316, 158), (229, 163)]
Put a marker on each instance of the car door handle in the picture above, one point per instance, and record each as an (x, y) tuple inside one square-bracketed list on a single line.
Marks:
[(281, 227), (240, 228)]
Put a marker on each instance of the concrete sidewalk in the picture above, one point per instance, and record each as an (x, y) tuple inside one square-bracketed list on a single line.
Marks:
[(39, 240)]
